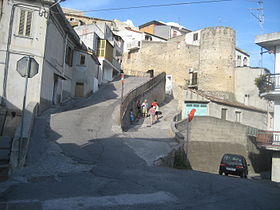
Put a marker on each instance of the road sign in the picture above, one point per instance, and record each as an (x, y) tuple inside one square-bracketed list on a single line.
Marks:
[(27, 66)]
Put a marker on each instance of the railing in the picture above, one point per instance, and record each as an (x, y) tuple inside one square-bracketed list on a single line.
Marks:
[(139, 91), (271, 82), (116, 64), (268, 137)]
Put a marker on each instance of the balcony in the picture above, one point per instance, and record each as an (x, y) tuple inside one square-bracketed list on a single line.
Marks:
[(118, 45), (269, 86), (116, 64), (268, 139), (133, 45)]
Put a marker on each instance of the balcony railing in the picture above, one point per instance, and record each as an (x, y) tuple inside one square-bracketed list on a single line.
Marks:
[(271, 82), (268, 137), (116, 64)]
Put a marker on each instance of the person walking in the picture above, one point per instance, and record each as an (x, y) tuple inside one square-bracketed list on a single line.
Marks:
[(139, 112), (144, 108), (152, 113), (155, 104)]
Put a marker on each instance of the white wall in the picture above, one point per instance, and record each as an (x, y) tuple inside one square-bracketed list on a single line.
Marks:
[(277, 60), (21, 46), (85, 73), (86, 34), (248, 117), (246, 91), (189, 38), (241, 62)]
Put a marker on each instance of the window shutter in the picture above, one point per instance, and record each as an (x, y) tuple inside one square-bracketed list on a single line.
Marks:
[(28, 24), (21, 22)]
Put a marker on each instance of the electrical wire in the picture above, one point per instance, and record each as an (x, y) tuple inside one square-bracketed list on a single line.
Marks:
[(153, 5)]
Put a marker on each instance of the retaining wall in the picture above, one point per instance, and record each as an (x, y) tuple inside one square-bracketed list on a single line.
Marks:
[(207, 139), (152, 90)]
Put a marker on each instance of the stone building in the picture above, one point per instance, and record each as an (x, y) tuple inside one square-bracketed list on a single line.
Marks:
[(204, 60)]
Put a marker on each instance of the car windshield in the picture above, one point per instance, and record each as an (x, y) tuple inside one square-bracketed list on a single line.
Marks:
[(232, 159)]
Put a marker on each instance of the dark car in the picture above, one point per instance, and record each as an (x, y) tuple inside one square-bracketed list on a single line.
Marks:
[(234, 164)]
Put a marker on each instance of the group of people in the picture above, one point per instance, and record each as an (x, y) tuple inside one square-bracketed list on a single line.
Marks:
[(144, 110)]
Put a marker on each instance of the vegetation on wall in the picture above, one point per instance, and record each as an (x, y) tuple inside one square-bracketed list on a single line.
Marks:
[(263, 83)]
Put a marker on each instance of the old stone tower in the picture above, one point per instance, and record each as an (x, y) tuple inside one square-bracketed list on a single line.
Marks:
[(216, 63)]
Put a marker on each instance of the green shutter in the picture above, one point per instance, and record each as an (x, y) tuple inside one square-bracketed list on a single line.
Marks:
[(21, 22), (28, 24)]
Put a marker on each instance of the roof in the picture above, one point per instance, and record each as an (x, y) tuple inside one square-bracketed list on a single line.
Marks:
[(243, 52), (268, 41), (181, 28), (226, 102), (156, 36), (130, 29), (150, 23)]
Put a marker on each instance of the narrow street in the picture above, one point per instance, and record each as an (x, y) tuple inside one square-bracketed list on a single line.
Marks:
[(79, 160)]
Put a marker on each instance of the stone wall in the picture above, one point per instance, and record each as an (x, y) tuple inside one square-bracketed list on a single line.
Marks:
[(174, 58), (216, 63), (209, 138)]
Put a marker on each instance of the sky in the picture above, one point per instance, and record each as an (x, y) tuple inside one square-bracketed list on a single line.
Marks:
[(231, 13)]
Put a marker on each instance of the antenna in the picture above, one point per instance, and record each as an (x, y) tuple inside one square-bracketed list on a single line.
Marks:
[(258, 13)]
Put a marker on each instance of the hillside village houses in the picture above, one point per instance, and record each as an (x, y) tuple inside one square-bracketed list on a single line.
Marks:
[(223, 88)]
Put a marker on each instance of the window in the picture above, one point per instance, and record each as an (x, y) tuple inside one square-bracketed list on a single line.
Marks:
[(25, 20), (238, 62), (194, 78), (237, 116), (82, 60), (224, 114), (245, 61), (69, 56), (195, 37)]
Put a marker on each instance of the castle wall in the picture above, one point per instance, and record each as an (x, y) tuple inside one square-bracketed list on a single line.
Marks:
[(216, 63)]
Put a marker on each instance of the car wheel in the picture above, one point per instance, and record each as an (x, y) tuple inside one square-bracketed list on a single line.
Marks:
[(226, 174)]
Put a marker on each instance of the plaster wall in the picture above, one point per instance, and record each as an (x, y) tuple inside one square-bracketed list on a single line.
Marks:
[(189, 38), (86, 34), (241, 62), (245, 77), (85, 73), (19, 47), (275, 170), (210, 138), (277, 59), (248, 117)]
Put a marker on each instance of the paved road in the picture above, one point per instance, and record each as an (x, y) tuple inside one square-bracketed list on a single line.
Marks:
[(77, 161)]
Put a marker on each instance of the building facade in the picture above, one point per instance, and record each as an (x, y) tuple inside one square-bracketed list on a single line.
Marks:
[(270, 140), (39, 29)]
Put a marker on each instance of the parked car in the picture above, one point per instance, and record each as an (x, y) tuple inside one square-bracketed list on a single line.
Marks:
[(234, 164)]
